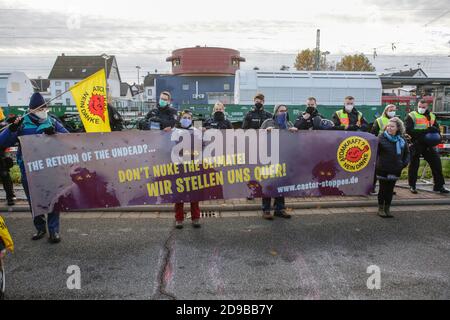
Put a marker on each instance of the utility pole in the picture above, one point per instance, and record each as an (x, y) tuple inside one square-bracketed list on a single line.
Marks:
[(317, 60)]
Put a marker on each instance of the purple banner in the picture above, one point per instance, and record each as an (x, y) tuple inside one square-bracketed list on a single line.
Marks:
[(118, 169)]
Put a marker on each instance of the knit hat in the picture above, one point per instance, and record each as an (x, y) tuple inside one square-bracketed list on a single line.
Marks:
[(36, 100)]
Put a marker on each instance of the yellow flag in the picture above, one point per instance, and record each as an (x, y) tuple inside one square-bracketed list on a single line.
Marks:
[(5, 236), (90, 97)]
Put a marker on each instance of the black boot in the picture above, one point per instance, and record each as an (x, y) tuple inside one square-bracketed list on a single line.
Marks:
[(54, 237)]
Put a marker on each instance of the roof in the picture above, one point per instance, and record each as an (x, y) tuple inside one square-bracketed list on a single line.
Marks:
[(79, 67), (149, 80), (40, 84), (409, 73), (124, 87)]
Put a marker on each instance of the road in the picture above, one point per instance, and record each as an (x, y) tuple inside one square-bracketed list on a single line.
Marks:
[(308, 257)]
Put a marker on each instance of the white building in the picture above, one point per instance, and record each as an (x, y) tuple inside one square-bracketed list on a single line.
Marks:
[(150, 88), (15, 89), (293, 88), (69, 70)]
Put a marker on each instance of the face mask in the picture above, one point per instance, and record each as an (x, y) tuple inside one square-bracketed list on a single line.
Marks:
[(422, 110), (219, 116), (348, 107), (185, 123), (42, 114), (310, 110), (391, 114), (281, 119), (258, 105), (163, 103)]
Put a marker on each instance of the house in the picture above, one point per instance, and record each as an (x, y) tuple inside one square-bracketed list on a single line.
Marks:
[(126, 97), (150, 87), (15, 89), (411, 73), (42, 86), (69, 70)]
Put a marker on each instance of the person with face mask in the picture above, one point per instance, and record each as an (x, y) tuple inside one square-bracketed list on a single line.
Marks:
[(185, 123), (381, 122), (311, 118), (163, 117), (255, 117), (218, 121), (420, 125), (348, 118), (36, 122), (280, 120)]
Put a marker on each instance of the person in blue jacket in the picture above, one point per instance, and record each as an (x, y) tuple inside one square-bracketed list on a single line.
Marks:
[(36, 122)]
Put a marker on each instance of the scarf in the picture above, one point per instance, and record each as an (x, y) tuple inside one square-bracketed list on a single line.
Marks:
[(399, 141)]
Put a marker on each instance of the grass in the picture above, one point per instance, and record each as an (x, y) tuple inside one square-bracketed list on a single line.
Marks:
[(15, 171)]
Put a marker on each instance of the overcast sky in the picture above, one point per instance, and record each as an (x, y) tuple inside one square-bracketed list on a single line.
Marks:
[(46, 28)]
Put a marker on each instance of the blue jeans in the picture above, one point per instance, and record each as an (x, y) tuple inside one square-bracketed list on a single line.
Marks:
[(39, 221), (278, 204)]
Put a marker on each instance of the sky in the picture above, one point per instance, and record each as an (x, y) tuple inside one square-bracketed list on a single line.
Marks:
[(268, 33)]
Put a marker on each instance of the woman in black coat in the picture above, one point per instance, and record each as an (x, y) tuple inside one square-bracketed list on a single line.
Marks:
[(393, 156)]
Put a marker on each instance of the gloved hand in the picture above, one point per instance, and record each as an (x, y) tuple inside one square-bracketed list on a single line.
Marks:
[(50, 130), (16, 124), (432, 130), (353, 127)]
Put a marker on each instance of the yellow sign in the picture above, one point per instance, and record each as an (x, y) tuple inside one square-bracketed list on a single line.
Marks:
[(354, 154), (90, 98), (5, 236)]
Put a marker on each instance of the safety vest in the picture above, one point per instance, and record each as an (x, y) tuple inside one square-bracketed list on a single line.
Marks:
[(421, 122), (382, 123), (345, 121), (5, 236), (2, 114)]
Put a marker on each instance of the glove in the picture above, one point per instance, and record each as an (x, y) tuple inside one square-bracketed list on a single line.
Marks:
[(353, 127), (433, 130), (50, 131), (14, 126)]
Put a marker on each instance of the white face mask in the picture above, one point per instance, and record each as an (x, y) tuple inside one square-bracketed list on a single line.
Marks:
[(42, 114), (391, 114), (348, 107), (422, 110)]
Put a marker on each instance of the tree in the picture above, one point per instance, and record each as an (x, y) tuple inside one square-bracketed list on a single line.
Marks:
[(306, 58), (356, 62)]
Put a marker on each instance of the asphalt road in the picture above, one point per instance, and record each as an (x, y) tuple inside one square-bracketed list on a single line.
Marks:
[(307, 257)]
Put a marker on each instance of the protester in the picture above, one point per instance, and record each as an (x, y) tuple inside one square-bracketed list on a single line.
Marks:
[(163, 117), (6, 163), (115, 119), (422, 127), (218, 121), (36, 122), (311, 118), (348, 118), (392, 157), (280, 120), (185, 123)]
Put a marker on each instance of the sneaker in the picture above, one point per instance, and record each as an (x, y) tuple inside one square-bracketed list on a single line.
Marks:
[(381, 212), (179, 224), (196, 223), (54, 237), (266, 215), (282, 214), (441, 190), (413, 190), (39, 235)]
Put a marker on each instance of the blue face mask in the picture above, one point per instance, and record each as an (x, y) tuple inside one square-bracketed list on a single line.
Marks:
[(185, 123), (281, 120), (163, 103)]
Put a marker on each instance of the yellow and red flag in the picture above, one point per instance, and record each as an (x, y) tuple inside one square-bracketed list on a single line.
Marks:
[(90, 98), (5, 236)]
